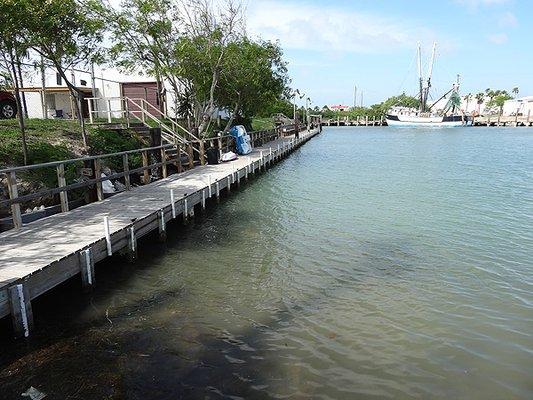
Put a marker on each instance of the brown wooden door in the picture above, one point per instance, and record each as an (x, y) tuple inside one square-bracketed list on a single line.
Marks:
[(142, 90)]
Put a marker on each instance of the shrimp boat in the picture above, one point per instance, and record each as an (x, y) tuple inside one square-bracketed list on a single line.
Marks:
[(427, 115)]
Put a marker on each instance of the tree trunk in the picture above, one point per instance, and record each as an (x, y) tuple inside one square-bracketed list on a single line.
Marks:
[(20, 116), (21, 86), (232, 118), (209, 109), (78, 98)]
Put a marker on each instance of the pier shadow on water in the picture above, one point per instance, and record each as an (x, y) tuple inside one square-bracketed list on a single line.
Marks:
[(84, 350), (150, 345)]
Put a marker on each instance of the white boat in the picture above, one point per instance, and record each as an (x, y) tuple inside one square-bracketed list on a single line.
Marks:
[(450, 116)]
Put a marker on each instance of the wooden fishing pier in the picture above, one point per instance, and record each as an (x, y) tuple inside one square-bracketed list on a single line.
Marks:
[(38, 256)]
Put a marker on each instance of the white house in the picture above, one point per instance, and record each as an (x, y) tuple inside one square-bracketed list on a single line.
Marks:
[(47, 95)]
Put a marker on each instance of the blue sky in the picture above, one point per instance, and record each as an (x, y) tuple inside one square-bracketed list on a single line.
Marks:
[(333, 45)]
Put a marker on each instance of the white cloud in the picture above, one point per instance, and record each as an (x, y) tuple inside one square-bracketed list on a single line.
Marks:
[(308, 27), (508, 20), (498, 38), (477, 3)]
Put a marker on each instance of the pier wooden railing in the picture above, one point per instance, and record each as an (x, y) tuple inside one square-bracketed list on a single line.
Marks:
[(91, 168)]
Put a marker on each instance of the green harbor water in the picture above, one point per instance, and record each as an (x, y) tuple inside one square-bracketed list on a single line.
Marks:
[(371, 263)]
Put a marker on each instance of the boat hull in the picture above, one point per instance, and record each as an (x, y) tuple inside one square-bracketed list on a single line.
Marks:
[(416, 121)]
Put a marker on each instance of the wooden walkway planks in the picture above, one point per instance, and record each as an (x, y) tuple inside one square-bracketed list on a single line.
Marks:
[(47, 252)]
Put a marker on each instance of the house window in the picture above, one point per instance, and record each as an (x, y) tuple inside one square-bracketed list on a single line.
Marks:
[(59, 81)]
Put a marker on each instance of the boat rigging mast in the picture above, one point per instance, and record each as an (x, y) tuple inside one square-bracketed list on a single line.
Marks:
[(424, 91)]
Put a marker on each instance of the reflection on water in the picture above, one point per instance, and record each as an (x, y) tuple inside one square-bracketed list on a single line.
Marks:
[(372, 263)]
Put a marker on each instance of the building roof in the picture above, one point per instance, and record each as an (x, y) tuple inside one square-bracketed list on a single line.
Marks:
[(56, 89)]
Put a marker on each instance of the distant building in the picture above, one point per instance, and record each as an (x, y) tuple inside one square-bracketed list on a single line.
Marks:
[(339, 107), (521, 106)]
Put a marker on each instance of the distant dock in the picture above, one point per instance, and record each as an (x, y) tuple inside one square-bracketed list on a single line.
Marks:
[(483, 120), (41, 255)]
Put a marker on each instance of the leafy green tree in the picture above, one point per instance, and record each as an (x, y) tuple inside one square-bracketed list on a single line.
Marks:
[(498, 100), (12, 47), (63, 32), (144, 36), (253, 76), (515, 91)]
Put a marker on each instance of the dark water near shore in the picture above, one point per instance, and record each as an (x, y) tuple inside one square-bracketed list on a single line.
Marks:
[(372, 263)]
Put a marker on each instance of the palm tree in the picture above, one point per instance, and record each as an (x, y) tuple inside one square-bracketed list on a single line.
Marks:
[(515, 92), (468, 97), (480, 97)]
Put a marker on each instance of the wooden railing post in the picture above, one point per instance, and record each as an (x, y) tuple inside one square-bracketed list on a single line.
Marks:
[(190, 154), (202, 152), (126, 165), (146, 173), (109, 110), (164, 162), (127, 112), (98, 175), (90, 111), (13, 194), (178, 158), (62, 182)]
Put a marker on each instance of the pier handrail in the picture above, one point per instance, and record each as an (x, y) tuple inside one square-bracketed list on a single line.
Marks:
[(80, 159), (143, 105), (166, 153)]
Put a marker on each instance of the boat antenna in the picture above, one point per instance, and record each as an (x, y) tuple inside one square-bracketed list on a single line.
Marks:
[(430, 72), (419, 56)]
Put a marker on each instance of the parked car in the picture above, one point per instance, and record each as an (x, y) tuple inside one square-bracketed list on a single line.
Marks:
[(8, 105)]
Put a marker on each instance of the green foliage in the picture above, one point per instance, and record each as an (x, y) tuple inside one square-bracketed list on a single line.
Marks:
[(104, 141), (375, 111), (55, 140), (261, 124), (498, 99), (253, 76), (277, 106)]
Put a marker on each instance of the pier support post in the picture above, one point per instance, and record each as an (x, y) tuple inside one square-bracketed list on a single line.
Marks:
[(173, 203), (203, 199), (185, 211), (107, 236), (162, 225), (229, 184), (87, 270), (20, 307), (217, 191), (209, 186), (132, 244)]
